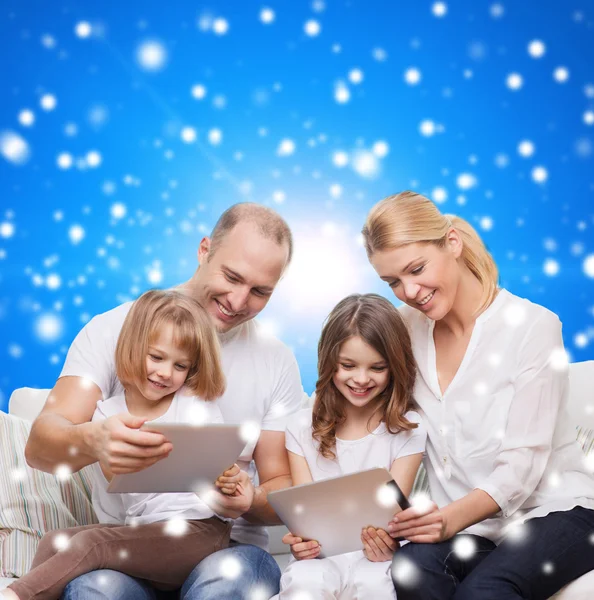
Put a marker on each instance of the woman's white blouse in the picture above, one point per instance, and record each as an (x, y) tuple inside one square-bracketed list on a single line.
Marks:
[(502, 425)]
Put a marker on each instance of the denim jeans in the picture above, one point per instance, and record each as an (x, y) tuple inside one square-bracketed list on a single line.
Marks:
[(238, 572), (535, 561)]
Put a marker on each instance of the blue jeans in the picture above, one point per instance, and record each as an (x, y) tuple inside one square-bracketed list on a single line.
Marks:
[(238, 572), (535, 562)]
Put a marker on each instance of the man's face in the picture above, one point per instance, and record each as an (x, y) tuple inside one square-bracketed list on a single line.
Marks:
[(235, 283)]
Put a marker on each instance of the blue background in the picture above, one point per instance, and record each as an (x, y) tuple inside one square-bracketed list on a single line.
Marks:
[(144, 208)]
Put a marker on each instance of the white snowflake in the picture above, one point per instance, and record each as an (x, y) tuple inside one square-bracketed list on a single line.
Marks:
[(439, 9), (464, 547), (342, 94), (312, 28), (49, 327), (365, 163), (250, 430), (14, 148), (412, 76), (536, 49), (118, 210), (151, 55), (526, 148), (65, 160), (551, 267), (230, 568), (539, 174), (48, 102), (198, 91), (356, 76), (340, 159), (286, 147), (26, 117), (7, 229), (439, 195), (61, 542), (588, 265), (76, 234), (220, 26), (83, 29), (561, 74), (267, 16), (514, 81)]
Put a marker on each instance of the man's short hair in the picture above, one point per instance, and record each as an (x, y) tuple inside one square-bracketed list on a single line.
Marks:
[(268, 222)]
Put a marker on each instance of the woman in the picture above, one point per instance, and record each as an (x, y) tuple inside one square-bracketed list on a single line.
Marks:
[(502, 461)]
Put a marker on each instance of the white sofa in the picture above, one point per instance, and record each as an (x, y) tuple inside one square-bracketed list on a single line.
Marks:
[(27, 402)]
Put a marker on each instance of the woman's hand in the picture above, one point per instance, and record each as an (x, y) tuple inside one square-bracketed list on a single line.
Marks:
[(300, 549), (423, 525), (378, 546)]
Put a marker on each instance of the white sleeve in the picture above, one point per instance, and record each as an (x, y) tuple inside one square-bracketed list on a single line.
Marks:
[(540, 385), (92, 354), (287, 394), (410, 442), (293, 435)]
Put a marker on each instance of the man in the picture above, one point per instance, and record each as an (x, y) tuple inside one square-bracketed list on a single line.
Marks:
[(239, 267)]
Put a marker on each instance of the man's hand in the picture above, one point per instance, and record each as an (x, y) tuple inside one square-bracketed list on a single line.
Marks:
[(300, 549), (122, 448), (237, 494), (426, 525), (378, 546)]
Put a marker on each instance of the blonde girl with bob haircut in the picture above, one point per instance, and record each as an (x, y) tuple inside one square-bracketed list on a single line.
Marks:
[(168, 360), (362, 418), (501, 450)]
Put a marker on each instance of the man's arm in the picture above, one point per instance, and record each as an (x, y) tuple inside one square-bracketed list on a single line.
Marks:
[(272, 462), (63, 433)]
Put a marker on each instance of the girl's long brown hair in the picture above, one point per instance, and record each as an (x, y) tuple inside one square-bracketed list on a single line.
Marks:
[(377, 322)]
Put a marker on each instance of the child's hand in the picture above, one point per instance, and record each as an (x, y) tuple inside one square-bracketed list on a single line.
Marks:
[(300, 549), (378, 546), (230, 479), (235, 493)]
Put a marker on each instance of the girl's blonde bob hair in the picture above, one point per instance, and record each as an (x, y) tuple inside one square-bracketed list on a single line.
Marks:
[(409, 218), (193, 333), (377, 322)]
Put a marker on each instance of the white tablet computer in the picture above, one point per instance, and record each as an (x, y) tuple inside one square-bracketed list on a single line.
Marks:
[(200, 454), (334, 511)]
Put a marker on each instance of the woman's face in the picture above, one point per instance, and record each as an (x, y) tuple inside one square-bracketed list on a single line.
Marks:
[(423, 276)]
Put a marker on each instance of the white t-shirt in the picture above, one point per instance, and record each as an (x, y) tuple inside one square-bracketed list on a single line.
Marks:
[(263, 383), (377, 449), (151, 508), (502, 425)]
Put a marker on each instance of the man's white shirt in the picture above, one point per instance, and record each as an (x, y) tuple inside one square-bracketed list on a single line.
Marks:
[(263, 383)]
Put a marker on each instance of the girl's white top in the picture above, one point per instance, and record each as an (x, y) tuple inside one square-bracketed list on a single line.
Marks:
[(150, 508), (377, 449), (502, 425)]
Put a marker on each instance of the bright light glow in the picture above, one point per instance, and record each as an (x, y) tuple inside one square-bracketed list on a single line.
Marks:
[(249, 432), (312, 28), (14, 148), (326, 260), (83, 29)]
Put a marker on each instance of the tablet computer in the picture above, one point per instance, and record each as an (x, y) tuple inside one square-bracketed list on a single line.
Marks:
[(200, 454), (334, 511)]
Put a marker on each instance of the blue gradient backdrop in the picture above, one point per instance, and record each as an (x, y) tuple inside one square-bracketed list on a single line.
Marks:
[(318, 109)]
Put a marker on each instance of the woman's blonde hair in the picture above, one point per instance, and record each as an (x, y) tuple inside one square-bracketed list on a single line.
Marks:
[(410, 218), (193, 333), (377, 322)]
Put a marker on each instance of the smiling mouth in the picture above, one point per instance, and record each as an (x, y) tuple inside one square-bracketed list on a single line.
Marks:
[(224, 311), (360, 391), (158, 385), (426, 299)]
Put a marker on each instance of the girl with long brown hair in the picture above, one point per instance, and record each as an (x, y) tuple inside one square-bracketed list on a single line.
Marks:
[(362, 418)]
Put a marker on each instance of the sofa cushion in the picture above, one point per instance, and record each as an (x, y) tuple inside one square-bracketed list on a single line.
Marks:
[(33, 502)]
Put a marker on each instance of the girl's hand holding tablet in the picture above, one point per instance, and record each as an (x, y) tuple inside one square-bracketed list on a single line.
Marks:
[(378, 546), (235, 495), (302, 549)]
